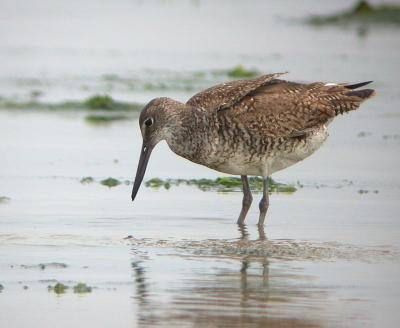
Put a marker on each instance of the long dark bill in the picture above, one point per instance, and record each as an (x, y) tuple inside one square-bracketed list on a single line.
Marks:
[(143, 160)]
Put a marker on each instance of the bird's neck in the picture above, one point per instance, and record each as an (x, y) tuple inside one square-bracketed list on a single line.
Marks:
[(182, 133)]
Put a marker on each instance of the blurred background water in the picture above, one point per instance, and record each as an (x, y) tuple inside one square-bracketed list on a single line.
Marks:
[(56, 51)]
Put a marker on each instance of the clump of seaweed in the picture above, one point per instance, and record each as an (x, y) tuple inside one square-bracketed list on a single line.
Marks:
[(100, 102), (86, 180), (105, 102), (79, 288), (4, 199), (221, 184), (110, 182), (241, 72), (362, 13), (82, 288), (155, 183), (58, 288)]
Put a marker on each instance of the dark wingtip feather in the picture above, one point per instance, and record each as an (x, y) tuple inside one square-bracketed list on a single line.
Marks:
[(363, 94), (357, 85)]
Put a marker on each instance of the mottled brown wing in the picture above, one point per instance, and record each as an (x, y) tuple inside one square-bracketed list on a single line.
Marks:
[(287, 109), (226, 95)]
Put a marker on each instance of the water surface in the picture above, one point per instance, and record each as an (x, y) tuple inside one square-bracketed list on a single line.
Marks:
[(329, 253)]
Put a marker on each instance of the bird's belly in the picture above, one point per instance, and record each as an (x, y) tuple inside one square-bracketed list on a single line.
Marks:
[(244, 163), (240, 166), (282, 159)]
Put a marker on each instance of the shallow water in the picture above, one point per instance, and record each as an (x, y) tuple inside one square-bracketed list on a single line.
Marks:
[(328, 255)]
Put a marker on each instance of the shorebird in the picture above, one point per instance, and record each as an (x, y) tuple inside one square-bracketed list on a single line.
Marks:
[(247, 127)]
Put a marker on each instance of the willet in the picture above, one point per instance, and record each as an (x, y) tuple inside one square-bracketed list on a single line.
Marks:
[(247, 127)]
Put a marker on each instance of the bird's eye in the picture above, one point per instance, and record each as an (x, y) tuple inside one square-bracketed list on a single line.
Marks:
[(149, 122)]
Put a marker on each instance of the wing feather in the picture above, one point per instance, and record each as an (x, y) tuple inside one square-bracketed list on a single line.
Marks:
[(267, 106), (288, 109), (226, 95)]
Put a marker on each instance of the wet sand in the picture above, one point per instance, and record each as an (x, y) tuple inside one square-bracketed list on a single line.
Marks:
[(329, 253)]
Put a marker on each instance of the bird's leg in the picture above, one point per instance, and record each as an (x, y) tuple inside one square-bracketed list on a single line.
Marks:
[(247, 199), (264, 203)]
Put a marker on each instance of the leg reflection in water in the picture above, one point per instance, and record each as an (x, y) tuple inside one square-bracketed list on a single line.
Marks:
[(139, 282), (174, 288), (244, 234), (246, 260)]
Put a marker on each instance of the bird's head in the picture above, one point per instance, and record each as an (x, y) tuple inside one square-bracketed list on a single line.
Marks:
[(156, 122)]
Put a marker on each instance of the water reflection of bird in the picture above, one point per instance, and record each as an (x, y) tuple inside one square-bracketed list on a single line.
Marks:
[(224, 291), (247, 127)]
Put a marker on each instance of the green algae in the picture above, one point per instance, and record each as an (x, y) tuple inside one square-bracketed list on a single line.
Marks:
[(391, 136), (4, 199), (105, 102), (111, 77), (155, 183), (10, 104), (79, 288), (110, 182), (161, 81), (365, 191), (86, 180), (103, 119), (43, 266), (96, 102), (36, 94), (363, 134), (82, 288), (199, 75), (363, 13), (241, 72), (58, 288), (154, 86), (100, 102), (221, 184)]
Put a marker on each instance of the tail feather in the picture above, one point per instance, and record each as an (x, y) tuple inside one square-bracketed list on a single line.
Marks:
[(363, 94), (357, 85), (350, 100)]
